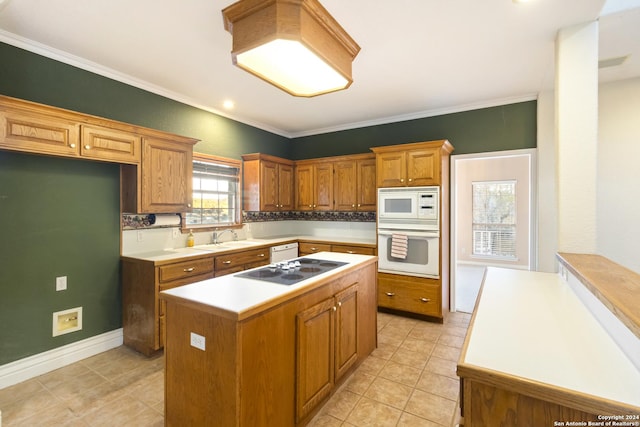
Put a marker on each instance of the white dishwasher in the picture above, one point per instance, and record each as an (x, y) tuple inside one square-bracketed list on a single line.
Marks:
[(284, 252)]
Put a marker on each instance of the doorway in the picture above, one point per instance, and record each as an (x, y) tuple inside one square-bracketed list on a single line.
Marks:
[(492, 218)]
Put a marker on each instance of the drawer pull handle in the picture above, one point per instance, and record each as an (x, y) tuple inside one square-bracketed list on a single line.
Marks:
[(260, 255), (189, 270), (390, 294), (314, 249), (350, 252), (226, 262), (425, 299)]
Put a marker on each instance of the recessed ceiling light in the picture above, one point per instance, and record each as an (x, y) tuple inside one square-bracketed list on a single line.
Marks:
[(521, 1), (228, 104)]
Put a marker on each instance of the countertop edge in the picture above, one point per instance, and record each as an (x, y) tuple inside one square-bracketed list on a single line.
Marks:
[(589, 269)]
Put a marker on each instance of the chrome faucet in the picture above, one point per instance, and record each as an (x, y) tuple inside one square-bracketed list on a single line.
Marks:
[(217, 234)]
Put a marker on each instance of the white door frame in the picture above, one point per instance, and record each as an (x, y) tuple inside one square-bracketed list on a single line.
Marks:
[(533, 221)]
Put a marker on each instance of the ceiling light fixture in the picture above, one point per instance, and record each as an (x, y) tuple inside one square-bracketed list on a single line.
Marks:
[(295, 45)]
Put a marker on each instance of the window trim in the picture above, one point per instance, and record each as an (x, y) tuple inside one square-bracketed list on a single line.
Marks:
[(203, 157)]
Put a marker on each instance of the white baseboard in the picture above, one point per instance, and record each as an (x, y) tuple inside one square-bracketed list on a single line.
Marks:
[(38, 364)]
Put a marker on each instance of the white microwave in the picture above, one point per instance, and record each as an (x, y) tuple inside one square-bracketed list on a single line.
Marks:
[(409, 207)]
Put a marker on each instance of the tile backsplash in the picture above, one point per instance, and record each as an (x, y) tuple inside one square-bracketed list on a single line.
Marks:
[(252, 216)]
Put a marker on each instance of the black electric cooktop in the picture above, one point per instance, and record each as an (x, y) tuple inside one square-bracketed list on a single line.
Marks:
[(292, 271)]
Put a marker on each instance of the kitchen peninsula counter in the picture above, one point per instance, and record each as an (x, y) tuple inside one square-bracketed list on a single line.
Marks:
[(535, 354), (247, 352)]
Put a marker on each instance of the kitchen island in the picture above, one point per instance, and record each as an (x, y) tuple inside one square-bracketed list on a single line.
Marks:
[(535, 355), (247, 352)]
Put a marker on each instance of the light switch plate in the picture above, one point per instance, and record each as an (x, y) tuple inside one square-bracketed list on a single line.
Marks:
[(61, 283), (197, 341)]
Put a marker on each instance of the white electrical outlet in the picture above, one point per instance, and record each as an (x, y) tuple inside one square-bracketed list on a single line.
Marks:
[(197, 341), (175, 233), (140, 235), (61, 283)]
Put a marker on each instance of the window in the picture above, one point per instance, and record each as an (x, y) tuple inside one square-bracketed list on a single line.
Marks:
[(494, 219), (216, 192)]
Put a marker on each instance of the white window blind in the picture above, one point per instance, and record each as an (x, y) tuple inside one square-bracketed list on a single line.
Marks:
[(494, 219)]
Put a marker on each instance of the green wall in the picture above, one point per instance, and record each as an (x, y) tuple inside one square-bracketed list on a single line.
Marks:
[(61, 216), (507, 127)]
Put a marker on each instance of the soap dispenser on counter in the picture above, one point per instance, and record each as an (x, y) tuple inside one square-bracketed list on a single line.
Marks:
[(190, 239)]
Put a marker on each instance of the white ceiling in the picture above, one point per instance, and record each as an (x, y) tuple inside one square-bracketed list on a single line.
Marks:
[(418, 57)]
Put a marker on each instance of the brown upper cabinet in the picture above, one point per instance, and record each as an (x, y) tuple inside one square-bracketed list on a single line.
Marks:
[(355, 183), (156, 168), (413, 165), (314, 185), (267, 183)]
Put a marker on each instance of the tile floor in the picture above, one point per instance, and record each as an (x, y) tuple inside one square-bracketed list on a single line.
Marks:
[(409, 380)]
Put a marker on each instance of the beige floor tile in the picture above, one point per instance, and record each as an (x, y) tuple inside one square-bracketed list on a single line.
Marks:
[(55, 416), (118, 412), (68, 388), (453, 329), (38, 402), (64, 375), (149, 389), (399, 373), (442, 367), (410, 358), (385, 350), (341, 404), (372, 365), (323, 420), (369, 413), (89, 400), (389, 392), (446, 352), (426, 334), (418, 345), (431, 407), (439, 384), (359, 382), (19, 391), (451, 340), (410, 420)]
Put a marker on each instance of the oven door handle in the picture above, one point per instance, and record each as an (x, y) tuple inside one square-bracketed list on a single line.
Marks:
[(409, 233)]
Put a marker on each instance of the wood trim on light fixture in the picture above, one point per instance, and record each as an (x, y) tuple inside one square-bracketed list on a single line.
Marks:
[(256, 22)]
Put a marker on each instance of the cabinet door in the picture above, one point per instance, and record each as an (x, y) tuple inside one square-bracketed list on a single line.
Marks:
[(345, 185), (366, 190), (110, 144), (346, 338), (423, 167), (323, 180), (285, 187), (391, 169), (304, 188), (166, 176), (37, 133), (314, 356), (268, 186)]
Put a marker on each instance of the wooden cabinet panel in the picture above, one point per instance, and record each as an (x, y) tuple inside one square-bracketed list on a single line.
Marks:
[(346, 339), (267, 183), (166, 181), (323, 187), (304, 187), (412, 294), (415, 164), (314, 356), (142, 312), (37, 133), (110, 144), (366, 194), (345, 188), (306, 248), (241, 260)]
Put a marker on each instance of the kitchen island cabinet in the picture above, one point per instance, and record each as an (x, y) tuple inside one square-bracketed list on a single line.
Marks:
[(536, 355), (260, 351)]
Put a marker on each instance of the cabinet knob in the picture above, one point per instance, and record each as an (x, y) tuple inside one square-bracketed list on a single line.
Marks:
[(350, 252), (226, 262), (339, 303), (401, 179), (390, 294), (189, 270), (314, 249), (425, 299), (359, 205), (314, 206), (87, 147), (260, 255), (410, 179), (353, 206), (72, 145), (310, 206), (188, 205), (335, 308)]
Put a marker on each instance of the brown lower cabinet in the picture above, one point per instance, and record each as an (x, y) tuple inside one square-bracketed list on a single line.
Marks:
[(417, 295), (274, 367), (308, 247)]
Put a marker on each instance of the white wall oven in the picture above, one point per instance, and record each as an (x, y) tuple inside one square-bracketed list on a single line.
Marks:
[(409, 231)]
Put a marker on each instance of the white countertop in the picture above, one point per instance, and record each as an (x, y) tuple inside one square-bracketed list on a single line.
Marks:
[(238, 295), (177, 253), (532, 325)]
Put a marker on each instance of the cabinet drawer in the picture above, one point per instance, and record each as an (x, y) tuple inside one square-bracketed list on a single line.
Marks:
[(231, 270), (311, 248), (224, 262), (361, 250), (185, 269), (415, 296)]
